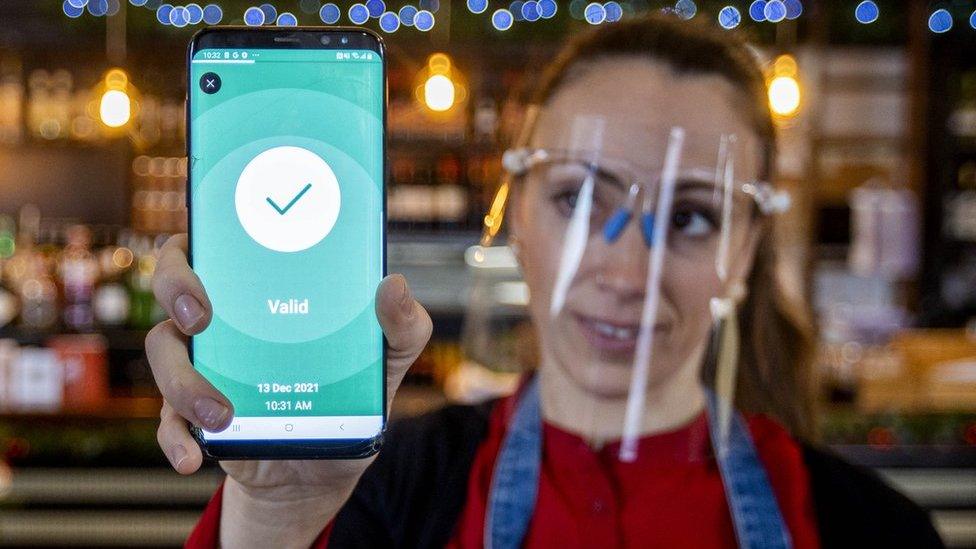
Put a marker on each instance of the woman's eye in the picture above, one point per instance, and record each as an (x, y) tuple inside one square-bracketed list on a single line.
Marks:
[(693, 222), (565, 202)]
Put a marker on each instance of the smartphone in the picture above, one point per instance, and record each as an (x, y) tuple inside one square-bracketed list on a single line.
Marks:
[(287, 214)]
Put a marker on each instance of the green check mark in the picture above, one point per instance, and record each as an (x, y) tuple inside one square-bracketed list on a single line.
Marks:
[(288, 206)]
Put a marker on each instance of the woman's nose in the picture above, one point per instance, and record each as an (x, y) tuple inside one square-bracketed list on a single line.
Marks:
[(623, 269)]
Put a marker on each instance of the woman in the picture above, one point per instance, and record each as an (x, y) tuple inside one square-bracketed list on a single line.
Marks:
[(434, 482)]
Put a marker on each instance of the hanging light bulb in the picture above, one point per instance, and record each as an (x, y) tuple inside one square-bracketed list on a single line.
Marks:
[(784, 88), (115, 102)]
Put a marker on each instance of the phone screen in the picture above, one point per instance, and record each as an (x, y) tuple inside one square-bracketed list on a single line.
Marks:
[(287, 236)]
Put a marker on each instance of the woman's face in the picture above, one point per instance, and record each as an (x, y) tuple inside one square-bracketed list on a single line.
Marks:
[(593, 337)]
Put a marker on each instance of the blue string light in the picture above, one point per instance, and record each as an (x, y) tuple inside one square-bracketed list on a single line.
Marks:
[(270, 13), (516, 9), (972, 20), (375, 8), (98, 8), (254, 16), (775, 11), (794, 9), (729, 17), (866, 12), (194, 13), (113, 7), (137, 3), (162, 13), (685, 9), (179, 17), (757, 11), (502, 19), (329, 13), (389, 21), (71, 11), (407, 13), (614, 11), (287, 19), (595, 13), (548, 8), (477, 6), (940, 21), (153, 4), (78, 4), (358, 14), (212, 14), (530, 11), (424, 20)]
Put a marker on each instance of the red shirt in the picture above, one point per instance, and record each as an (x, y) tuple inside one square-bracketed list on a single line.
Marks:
[(671, 496)]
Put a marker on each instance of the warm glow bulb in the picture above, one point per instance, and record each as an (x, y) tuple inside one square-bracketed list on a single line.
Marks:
[(784, 95), (115, 108), (439, 93)]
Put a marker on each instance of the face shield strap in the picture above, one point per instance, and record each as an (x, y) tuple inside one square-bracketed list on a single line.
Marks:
[(652, 296)]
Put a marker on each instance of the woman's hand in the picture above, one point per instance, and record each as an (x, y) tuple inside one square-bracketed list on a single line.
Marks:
[(280, 495)]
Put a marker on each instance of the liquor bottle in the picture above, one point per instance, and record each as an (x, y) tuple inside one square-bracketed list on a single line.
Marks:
[(78, 272)]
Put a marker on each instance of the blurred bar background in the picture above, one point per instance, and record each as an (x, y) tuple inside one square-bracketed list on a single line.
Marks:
[(876, 103)]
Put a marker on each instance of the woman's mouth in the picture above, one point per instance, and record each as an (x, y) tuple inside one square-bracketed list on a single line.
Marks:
[(608, 337)]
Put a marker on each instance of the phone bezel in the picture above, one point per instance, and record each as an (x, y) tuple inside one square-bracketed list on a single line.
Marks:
[(289, 38)]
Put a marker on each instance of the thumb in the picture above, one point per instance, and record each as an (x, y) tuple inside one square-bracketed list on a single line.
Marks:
[(406, 325)]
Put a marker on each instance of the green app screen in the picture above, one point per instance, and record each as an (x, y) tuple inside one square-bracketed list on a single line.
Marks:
[(286, 216)]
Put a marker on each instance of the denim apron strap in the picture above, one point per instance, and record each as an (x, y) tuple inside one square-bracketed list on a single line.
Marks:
[(515, 483), (755, 512)]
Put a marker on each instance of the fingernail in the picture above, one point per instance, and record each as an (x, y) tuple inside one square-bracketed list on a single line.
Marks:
[(188, 311), (406, 300), (211, 413), (177, 456)]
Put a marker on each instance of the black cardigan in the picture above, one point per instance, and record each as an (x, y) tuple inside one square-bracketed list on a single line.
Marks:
[(413, 494)]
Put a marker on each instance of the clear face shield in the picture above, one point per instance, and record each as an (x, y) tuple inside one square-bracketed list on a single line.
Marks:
[(635, 244)]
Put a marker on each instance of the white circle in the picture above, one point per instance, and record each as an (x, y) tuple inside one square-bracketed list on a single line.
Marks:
[(287, 199)]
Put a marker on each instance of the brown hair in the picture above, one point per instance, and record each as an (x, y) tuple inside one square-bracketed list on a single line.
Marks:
[(777, 338)]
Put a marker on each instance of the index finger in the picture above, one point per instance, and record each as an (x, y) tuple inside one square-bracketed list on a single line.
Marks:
[(178, 289)]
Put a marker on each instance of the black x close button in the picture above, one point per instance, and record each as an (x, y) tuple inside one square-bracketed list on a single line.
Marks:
[(210, 83)]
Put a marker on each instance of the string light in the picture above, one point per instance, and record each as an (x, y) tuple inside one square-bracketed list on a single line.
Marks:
[(423, 21), (548, 8), (940, 21), (794, 9), (757, 11), (375, 8), (212, 14), (358, 14), (98, 8), (253, 16), (866, 12), (477, 6), (407, 13), (595, 13), (685, 9), (775, 11), (389, 21), (162, 14), (71, 10), (270, 13), (77, 4), (329, 13), (287, 19), (729, 17), (614, 11), (194, 13), (530, 11), (502, 19)]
